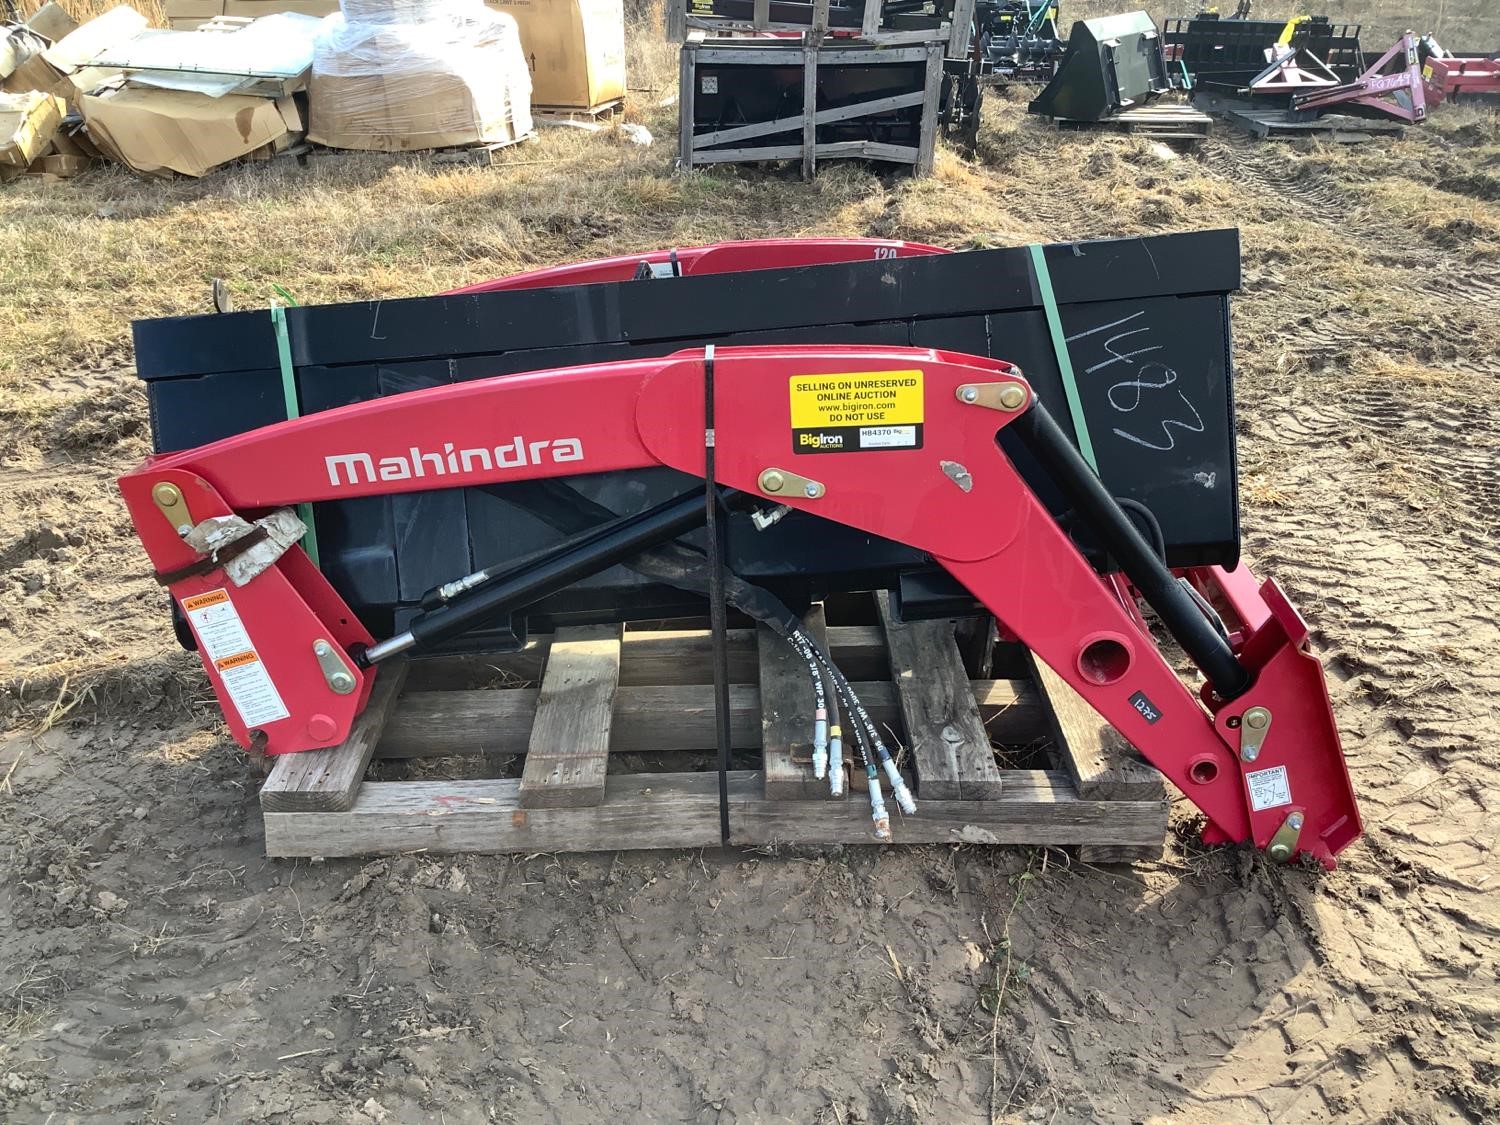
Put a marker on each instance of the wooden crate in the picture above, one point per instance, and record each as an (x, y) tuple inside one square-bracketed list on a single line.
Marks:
[(602, 693), (811, 20), (748, 142)]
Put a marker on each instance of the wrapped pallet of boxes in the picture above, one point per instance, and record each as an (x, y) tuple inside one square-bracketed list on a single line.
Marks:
[(574, 48), (403, 75)]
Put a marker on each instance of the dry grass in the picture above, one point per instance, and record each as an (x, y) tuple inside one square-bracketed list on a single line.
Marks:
[(86, 256)]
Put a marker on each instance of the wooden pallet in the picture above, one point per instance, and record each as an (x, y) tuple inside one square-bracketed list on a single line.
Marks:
[(479, 155), (576, 115), (1160, 122), (604, 693), (1284, 124)]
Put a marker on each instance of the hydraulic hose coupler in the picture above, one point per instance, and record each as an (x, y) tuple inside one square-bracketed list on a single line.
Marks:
[(820, 743), (899, 790), (877, 806), (836, 760)]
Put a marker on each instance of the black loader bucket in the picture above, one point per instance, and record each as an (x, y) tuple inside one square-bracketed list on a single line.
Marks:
[(1113, 63)]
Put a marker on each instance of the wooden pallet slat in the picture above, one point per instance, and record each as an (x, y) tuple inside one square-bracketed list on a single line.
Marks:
[(568, 748), (1162, 122), (647, 719), (1100, 761), (654, 658), (328, 780), (949, 744), (787, 704), (681, 811), (1098, 758)]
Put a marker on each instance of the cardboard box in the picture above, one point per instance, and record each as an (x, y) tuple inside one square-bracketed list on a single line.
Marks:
[(53, 21), (62, 166), (17, 44), (36, 73), (162, 131), (27, 124), (575, 49), (61, 69), (254, 9), (73, 140)]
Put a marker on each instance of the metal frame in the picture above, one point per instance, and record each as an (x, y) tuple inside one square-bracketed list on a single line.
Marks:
[(1454, 76), (692, 152), (1392, 86)]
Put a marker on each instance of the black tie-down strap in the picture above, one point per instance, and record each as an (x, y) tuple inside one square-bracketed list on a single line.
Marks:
[(718, 614)]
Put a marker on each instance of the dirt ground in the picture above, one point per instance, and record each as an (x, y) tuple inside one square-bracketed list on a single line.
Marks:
[(155, 966)]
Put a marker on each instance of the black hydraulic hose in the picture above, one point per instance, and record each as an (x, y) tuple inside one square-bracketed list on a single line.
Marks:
[(559, 570), (1122, 539)]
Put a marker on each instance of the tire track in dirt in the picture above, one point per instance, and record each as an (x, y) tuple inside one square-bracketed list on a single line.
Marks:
[(1309, 192)]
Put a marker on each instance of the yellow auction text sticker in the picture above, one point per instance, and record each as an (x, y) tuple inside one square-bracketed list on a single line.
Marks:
[(856, 412)]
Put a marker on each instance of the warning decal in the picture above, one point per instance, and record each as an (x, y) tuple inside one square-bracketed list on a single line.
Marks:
[(1268, 788), (856, 412), (222, 638)]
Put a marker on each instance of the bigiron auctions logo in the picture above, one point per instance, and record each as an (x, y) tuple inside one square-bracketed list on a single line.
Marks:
[(366, 468), (820, 441)]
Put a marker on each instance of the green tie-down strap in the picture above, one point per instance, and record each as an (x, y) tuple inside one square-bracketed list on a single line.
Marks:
[(1060, 350), (293, 410)]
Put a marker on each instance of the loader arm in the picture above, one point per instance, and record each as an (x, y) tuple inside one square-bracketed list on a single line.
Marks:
[(1260, 757), (718, 257)]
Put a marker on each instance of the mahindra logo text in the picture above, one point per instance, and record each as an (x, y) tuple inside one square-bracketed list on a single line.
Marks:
[(366, 468)]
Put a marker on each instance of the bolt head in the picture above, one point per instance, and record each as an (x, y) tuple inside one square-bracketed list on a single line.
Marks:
[(812, 490), (1250, 753), (772, 481), (1295, 820), (1012, 396), (1280, 853), (1257, 720), (341, 682), (971, 394), (322, 648)]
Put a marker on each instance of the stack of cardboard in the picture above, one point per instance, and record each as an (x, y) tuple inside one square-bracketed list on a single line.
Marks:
[(36, 134), (28, 122), (155, 101)]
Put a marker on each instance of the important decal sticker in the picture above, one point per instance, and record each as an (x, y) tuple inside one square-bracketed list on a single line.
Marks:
[(1268, 788), (856, 412), (222, 638)]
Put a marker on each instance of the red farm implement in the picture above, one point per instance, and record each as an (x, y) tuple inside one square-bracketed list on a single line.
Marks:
[(462, 489)]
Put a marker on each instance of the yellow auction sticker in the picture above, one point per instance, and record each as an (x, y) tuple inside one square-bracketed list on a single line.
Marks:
[(856, 412)]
